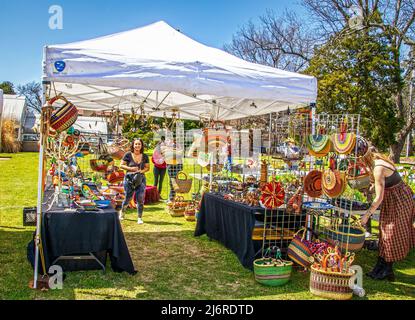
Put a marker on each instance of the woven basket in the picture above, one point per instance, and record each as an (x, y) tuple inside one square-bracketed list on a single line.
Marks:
[(190, 214), (115, 177), (350, 238), (64, 117), (118, 149), (98, 165), (330, 285), (298, 251), (274, 274), (182, 185), (360, 182)]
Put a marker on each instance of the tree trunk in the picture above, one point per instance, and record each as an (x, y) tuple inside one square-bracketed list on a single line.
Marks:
[(396, 150)]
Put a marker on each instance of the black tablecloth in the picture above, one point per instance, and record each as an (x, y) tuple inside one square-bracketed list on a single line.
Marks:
[(230, 223), (78, 233)]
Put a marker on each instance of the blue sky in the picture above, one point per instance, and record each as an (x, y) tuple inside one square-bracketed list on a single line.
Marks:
[(24, 24)]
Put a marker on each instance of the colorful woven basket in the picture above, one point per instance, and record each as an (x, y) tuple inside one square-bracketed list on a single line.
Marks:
[(330, 285), (64, 117), (335, 187), (272, 272), (298, 251), (182, 185), (115, 177), (343, 142), (312, 184), (347, 237), (318, 145)]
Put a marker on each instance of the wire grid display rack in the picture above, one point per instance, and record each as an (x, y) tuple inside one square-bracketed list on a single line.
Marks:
[(285, 156), (335, 218)]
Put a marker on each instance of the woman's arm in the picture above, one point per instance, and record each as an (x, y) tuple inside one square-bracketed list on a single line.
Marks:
[(379, 176), (146, 168), (124, 166)]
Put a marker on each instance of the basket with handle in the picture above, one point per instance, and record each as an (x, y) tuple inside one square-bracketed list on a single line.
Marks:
[(118, 148), (349, 237), (358, 177), (190, 212), (63, 117), (182, 185), (177, 207), (298, 250), (332, 284), (272, 271)]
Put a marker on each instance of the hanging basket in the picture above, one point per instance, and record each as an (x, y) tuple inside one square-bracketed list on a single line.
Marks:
[(312, 184), (119, 148), (318, 145), (64, 117), (182, 185), (99, 165)]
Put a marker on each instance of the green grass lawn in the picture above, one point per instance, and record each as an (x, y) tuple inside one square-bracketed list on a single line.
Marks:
[(171, 262)]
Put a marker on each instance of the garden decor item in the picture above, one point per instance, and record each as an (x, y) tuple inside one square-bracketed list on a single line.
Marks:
[(65, 116), (344, 142), (298, 250), (349, 237), (272, 195), (318, 144), (312, 184), (182, 185), (272, 271)]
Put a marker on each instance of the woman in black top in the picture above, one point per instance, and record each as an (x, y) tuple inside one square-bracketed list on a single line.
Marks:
[(397, 214), (136, 163)]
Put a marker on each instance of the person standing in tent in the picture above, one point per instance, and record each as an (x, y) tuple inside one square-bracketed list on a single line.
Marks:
[(397, 214), (136, 164), (173, 154), (160, 165)]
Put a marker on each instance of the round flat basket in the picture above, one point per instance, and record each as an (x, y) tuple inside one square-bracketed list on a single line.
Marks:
[(344, 143), (312, 184)]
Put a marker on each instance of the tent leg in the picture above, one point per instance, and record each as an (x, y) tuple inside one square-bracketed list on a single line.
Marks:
[(39, 195)]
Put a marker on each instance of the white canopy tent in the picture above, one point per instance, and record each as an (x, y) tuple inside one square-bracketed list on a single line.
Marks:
[(164, 70)]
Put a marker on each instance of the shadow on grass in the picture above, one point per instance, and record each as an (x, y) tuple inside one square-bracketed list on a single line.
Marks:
[(171, 265)]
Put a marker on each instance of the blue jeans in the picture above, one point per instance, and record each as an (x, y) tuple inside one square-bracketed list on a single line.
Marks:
[(139, 196)]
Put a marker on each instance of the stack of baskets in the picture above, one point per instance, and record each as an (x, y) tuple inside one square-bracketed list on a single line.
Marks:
[(190, 212), (178, 206)]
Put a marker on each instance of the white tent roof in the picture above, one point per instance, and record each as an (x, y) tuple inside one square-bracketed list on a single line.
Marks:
[(166, 70), (91, 125)]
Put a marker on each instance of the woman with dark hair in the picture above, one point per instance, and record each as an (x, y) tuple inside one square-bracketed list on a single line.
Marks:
[(136, 164), (397, 214)]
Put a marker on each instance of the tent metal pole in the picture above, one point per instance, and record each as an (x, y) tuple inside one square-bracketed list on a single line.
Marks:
[(39, 181)]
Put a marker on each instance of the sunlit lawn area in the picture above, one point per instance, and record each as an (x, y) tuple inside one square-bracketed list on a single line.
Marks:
[(171, 262)]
